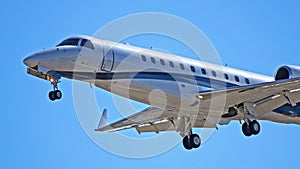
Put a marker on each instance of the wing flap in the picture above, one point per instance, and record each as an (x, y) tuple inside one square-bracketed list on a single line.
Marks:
[(169, 125), (156, 127)]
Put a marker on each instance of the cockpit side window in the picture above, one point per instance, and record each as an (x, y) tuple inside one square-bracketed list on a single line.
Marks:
[(87, 43), (69, 42)]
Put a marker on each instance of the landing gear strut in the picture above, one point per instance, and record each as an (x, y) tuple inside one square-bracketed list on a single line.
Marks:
[(250, 128), (55, 94), (191, 141)]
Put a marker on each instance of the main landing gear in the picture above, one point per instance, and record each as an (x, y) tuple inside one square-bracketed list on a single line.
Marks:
[(191, 141), (55, 94), (250, 128)]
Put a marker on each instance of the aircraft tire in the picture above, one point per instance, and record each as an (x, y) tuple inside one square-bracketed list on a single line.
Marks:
[(254, 127), (246, 130), (52, 95), (58, 94), (195, 140), (187, 143)]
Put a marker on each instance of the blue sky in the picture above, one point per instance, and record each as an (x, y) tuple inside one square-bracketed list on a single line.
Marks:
[(36, 133)]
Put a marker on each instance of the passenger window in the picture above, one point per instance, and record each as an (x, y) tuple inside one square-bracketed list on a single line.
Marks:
[(226, 76), (162, 62), (193, 69), (87, 43), (152, 60), (237, 78), (203, 71), (144, 58), (214, 73), (247, 80), (171, 64), (181, 66), (69, 42)]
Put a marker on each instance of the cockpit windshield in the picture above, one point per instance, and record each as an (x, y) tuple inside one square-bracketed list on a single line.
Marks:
[(69, 42), (74, 42), (87, 43)]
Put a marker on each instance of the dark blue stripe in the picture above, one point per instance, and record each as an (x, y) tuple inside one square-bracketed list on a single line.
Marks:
[(190, 79)]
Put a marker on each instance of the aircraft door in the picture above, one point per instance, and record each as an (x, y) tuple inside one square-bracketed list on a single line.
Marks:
[(108, 60)]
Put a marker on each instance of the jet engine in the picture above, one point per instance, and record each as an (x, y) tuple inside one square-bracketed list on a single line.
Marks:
[(287, 72)]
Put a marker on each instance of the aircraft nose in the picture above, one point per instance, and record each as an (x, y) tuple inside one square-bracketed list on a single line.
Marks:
[(30, 61)]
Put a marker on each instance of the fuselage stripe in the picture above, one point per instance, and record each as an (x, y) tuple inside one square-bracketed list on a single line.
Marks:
[(184, 78)]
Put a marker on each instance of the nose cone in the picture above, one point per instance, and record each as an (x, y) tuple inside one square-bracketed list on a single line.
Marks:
[(30, 61)]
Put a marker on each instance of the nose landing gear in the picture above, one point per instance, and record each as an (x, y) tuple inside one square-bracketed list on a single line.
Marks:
[(55, 94), (50, 76)]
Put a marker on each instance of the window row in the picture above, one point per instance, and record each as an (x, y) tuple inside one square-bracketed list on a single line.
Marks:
[(226, 76), (203, 71), (162, 62)]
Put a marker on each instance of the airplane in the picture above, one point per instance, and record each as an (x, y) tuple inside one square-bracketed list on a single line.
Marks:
[(182, 93)]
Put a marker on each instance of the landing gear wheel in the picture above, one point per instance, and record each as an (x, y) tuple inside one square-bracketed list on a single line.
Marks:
[(192, 141), (246, 129), (57, 94), (52, 96), (195, 140), (187, 143), (254, 127)]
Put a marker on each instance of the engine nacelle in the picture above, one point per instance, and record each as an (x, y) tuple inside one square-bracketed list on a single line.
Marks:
[(287, 72)]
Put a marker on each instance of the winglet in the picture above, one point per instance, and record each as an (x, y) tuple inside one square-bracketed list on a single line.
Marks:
[(103, 120)]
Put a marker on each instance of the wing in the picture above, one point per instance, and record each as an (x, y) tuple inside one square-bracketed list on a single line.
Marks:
[(265, 97), (151, 119), (150, 116)]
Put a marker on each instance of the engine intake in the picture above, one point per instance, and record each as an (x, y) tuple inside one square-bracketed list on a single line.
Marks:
[(287, 72)]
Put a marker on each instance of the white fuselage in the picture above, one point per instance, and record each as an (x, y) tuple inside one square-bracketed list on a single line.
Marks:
[(144, 75)]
